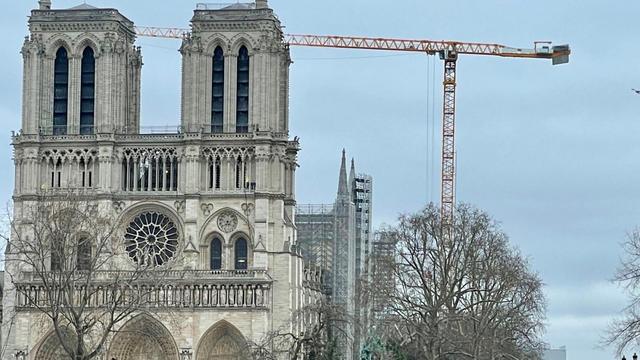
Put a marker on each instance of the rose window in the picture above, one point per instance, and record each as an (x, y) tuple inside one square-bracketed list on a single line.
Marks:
[(151, 239)]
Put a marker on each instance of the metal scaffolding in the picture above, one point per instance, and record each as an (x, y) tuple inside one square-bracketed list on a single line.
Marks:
[(316, 233)]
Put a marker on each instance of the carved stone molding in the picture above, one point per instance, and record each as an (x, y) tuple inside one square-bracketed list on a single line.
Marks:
[(247, 208), (227, 221), (207, 209), (179, 205)]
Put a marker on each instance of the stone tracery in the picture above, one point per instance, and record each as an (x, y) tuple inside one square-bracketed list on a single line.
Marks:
[(150, 169), (143, 338), (151, 239)]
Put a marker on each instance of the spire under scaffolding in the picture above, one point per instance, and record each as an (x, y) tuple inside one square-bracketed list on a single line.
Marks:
[(343, 186)]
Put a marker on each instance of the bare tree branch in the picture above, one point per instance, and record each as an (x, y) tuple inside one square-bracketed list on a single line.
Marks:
[(473, 297), (61, 255)]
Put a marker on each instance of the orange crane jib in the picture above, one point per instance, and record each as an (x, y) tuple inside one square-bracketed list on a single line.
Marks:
[(541, 49), (448, 51)]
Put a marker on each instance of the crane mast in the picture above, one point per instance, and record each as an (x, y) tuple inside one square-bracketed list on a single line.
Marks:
[(448, 169), (448, 52)]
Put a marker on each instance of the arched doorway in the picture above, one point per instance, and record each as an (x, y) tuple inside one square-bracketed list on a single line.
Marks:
[(143, 338), (222, 342), (50, 348)]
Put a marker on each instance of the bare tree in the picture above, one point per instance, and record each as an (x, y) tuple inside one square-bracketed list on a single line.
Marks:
[(63, 261), (625, 330), (469, 295), (318, 340)]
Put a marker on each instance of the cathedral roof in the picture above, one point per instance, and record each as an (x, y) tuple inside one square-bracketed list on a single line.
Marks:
[(84, 6)]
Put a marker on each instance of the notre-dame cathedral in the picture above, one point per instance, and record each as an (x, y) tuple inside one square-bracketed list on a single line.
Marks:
[(220, 189)]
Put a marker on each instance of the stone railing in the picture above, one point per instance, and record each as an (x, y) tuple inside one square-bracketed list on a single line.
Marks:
[(146, 138), (175, 132), (167, 289), (153, 275)]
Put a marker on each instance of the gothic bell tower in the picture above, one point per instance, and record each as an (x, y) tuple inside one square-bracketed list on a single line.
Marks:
[(81, 72), (235, 70)]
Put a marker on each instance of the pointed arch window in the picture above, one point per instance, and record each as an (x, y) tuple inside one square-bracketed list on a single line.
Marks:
[(217, 92), (242, 101), (60, 91), (241, 171), (241, 254), (57, 253), (83, 262), (213, 173), (216, 254), (87, 91)]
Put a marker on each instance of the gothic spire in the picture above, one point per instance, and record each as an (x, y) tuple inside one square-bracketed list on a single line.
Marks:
[(352, 173), (343, 187)]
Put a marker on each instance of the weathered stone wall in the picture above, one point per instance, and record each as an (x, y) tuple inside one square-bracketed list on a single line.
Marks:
[(262, 205)]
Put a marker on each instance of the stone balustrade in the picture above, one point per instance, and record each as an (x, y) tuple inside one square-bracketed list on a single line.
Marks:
[(167, 289), (153, 133)]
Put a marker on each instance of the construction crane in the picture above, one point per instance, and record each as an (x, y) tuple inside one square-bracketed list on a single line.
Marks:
[(448, 52)]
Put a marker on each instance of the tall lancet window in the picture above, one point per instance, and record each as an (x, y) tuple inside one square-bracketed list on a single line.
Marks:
[(217, 92), (242, 103), (216, 254), (87, 92), (60, 92), (241, 254)]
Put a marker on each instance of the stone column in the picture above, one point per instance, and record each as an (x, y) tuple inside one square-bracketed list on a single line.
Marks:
[(45, 111), (73, 105), (134, 70), (191, 173), (105, 168), (256, 71), (231, 91)]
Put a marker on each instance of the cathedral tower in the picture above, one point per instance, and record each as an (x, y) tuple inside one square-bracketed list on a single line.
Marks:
[(222, 188), (235, 72), (81, 72)]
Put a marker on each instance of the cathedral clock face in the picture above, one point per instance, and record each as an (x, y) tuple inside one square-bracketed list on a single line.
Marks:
[(151, 239), (227, 222)]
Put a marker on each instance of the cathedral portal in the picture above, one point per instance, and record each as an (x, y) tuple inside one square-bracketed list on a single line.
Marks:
[(143, 338), (50, 348), (222, 342)]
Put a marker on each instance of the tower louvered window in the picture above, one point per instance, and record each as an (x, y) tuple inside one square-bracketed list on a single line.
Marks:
[(242, 103), (60, 92), (87, 92), (217, 92)]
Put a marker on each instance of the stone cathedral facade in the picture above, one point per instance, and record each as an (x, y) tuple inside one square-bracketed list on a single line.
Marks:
[(222, 187)]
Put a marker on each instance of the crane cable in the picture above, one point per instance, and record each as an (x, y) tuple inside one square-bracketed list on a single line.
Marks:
[(431, 135), (428, 138), (433, 127)]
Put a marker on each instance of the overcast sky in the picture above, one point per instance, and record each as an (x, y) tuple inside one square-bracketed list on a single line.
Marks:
[(550, 152)]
